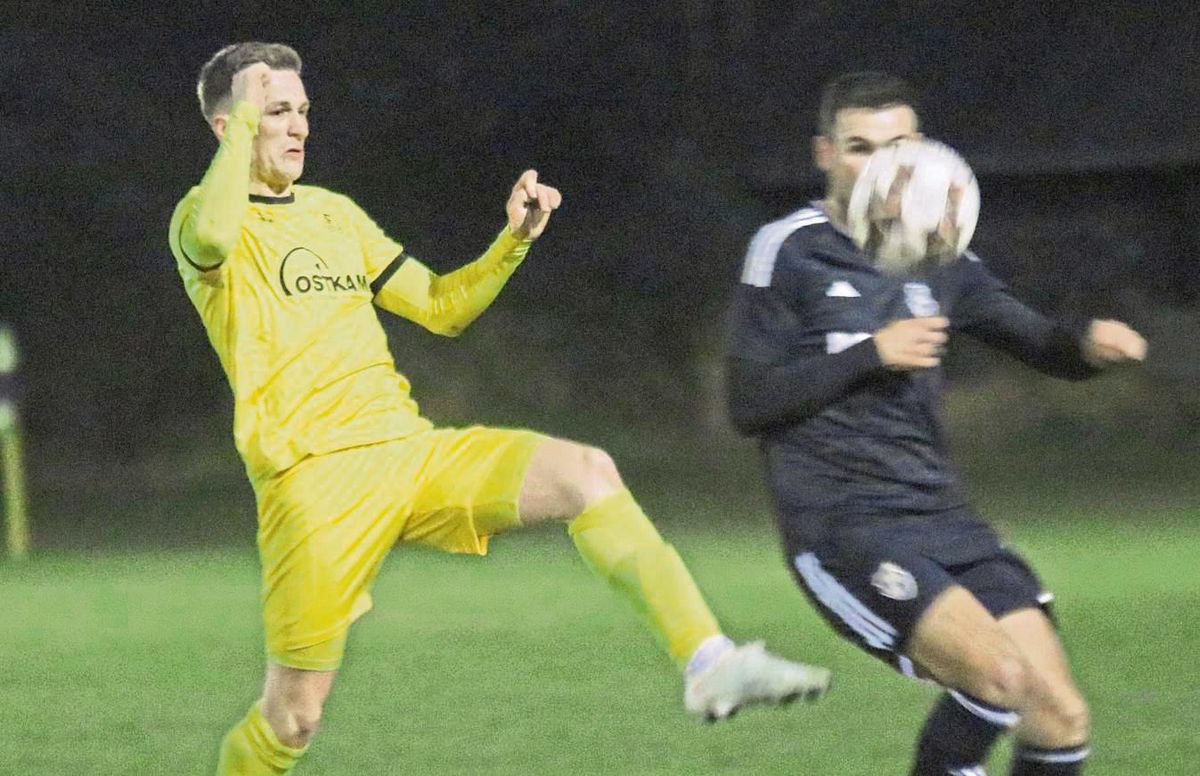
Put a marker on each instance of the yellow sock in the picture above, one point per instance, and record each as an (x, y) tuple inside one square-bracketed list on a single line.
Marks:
[(620, 544), (251, 748)]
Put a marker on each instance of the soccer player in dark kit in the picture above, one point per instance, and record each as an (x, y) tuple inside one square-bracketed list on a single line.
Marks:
[(834, 366)]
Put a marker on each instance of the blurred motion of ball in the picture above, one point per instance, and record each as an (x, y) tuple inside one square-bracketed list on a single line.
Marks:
[(915, 204)]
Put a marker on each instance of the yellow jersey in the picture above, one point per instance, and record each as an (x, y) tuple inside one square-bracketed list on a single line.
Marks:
[(286, 288)]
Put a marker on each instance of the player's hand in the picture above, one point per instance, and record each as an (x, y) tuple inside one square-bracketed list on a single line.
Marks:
[(250, 85), (1112, 342), (529, 206), (913, 343)]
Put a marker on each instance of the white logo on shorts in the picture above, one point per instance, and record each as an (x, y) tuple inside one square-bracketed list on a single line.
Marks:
[(894, 582)]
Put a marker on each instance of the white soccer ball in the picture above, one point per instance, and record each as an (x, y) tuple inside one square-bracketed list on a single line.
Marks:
[(916, 202)]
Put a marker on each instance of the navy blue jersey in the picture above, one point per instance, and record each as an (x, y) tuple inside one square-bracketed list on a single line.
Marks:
[(841, 434)]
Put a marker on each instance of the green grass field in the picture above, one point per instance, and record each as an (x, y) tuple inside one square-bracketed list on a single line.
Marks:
[(135, 662)]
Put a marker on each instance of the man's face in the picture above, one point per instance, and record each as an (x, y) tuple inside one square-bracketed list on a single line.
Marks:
[(277, 160), (856, 134)]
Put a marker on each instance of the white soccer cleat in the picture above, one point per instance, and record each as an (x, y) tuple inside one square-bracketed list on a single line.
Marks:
[(746, 675)]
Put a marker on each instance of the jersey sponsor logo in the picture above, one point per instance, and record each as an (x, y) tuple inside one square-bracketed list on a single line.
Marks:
[(843, 289), (837, 341), (920, 301), (894, 582), (304, 272)]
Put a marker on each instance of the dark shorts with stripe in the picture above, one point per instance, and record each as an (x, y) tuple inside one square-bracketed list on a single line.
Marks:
[(873, 577)]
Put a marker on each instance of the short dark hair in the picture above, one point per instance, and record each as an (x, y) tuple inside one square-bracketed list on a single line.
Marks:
[(216, 77), (867, 89)]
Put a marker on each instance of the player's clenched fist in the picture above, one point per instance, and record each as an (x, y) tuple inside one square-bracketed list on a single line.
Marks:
[(912, 343), (529, 206), (1111, 342), (250, 84)]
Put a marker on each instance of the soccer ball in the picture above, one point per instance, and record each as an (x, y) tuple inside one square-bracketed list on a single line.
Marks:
[(915, 203)]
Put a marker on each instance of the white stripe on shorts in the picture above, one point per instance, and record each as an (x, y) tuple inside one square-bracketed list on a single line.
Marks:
[(875, 630)]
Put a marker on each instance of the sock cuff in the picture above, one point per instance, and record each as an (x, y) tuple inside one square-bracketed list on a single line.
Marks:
[(618, 507), (994, 715), (707, 653), (1055, 756), (285, 756)]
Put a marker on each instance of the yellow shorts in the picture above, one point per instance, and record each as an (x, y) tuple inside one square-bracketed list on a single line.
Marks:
[(326, 524)]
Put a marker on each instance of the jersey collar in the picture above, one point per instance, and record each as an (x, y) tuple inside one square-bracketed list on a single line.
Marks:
[(839, 247), (819, 204), (264, 200)]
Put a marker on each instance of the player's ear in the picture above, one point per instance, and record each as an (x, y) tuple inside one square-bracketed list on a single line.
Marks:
[(218, 123), (823, 152)]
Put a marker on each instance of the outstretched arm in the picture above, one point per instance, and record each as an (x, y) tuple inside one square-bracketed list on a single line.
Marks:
[(987, 311), (447, 304), (209, 231)]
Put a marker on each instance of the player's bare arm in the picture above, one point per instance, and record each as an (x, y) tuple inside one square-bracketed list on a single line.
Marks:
[(912, 343), (530, 205), (1112, 342)]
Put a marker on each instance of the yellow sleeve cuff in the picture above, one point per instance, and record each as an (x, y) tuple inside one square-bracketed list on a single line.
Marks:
[(509, 248)]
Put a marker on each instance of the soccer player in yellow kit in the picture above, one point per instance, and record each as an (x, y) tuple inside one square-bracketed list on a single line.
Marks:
[(285, 278)]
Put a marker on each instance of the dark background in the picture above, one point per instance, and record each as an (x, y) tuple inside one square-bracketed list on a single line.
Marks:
[(674, 130)]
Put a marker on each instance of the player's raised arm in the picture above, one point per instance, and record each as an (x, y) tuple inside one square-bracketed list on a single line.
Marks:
[(447, 304), (209, 227)]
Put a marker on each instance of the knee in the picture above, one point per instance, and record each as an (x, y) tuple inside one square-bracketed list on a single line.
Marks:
[(1006, 682), (599, 471), (295, 721), (1067, 713), (564, 479), (591, 475), (1076, 719)]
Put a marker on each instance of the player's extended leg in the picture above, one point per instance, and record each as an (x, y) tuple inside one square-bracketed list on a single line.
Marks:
[(566, 481), (276, 731), (959, 643), (1033, 633)]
